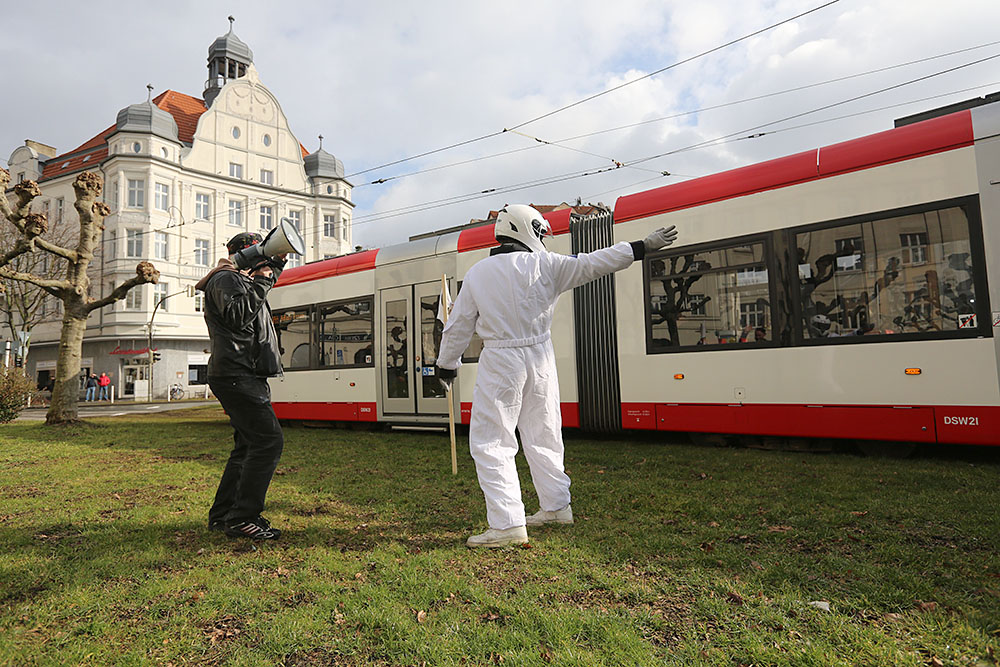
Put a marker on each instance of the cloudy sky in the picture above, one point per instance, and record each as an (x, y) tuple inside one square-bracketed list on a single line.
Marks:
[(385, 81)]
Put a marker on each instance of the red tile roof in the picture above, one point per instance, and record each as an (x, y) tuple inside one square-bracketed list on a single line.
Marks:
[(185, 109)]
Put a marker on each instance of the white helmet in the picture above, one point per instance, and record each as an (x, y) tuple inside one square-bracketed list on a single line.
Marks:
[(523, 224)]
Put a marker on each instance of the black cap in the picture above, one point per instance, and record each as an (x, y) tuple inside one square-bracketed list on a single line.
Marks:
[(243, 240)]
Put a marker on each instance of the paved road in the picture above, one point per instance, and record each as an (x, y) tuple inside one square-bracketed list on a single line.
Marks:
[(117, 410)]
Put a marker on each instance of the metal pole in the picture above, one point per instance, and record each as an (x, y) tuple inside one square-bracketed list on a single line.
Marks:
[(149, 345)]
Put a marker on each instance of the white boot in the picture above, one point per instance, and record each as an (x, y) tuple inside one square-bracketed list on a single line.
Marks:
[(542, 517), (497, 538)]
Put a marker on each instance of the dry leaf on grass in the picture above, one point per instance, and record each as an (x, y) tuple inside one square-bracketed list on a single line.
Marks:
[(421, 616)]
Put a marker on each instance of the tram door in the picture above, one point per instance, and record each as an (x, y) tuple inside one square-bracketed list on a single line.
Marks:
[(411, 337)]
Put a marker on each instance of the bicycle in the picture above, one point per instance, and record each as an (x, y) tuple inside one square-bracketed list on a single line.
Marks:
[(176, 392)]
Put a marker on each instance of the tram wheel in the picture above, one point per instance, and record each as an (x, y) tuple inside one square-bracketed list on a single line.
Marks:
[(885, 449)]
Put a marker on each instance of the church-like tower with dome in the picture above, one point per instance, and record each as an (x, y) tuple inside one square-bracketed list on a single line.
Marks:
[(182, 175)]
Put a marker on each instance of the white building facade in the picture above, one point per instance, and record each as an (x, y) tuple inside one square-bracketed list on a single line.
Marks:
[(182, 176)]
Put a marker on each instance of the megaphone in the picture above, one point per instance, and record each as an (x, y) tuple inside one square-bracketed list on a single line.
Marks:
[(281, 240)]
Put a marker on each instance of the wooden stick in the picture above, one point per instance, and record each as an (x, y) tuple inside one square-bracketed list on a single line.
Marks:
[(451, 404)]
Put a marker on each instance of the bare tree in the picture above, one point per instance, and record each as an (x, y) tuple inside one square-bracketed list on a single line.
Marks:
[(74, 289)]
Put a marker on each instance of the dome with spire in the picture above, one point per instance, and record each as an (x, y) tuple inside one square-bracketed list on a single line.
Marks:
[(323, 165), (147, 118), (230, 46)]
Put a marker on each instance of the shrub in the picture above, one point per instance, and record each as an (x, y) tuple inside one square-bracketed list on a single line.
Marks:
[(14, 391)]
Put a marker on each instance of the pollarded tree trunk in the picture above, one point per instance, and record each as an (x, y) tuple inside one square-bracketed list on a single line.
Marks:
[(66, 391)]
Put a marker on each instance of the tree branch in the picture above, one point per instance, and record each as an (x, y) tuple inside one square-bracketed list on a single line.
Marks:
[(144, 273), (53, 287)]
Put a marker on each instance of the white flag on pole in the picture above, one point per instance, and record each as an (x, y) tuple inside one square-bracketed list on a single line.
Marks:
[(444, 303)]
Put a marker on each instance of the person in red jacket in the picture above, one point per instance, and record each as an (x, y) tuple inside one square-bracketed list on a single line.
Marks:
[(104, 382)]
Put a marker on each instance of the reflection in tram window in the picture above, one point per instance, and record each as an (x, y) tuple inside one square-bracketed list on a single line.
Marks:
[(900, 275), (345, 334), (475, 348), (430, 344), (294, 337), (397, 359), (712, 297)]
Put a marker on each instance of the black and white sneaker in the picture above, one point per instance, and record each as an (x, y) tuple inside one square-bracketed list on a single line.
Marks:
[(216, 525), (255, 529)]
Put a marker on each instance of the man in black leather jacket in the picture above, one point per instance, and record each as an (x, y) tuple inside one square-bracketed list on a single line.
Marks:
[(244, 354)]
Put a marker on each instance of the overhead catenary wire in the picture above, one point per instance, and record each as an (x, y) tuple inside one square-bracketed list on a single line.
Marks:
[(359, 220), (596, 95), (680, 114), (439, 203)]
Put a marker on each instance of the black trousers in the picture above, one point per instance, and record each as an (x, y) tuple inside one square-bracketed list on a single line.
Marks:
[(258, 442)]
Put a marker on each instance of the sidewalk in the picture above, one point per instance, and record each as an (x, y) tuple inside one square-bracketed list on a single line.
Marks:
[(119, 408)]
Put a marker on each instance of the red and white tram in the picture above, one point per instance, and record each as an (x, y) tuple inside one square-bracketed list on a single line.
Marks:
[(843, 292)]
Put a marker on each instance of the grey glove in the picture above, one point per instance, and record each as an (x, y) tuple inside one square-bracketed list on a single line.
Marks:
[(446, 383), (660, 239)]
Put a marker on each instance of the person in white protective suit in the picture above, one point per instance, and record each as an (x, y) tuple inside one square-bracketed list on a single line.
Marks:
[(508, 299)]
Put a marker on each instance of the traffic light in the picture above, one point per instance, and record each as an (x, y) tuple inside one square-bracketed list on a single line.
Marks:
[(156, 356)]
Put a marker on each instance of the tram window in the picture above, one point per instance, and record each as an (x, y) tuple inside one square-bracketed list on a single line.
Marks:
[(475, 348), (898, 275), (345, 334), (294, 337), (712, 297)]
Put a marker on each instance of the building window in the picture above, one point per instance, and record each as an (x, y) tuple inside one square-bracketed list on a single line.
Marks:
[(60, 204), (850, 253), (201, 252), (236, 132), (111, 288), (731, 305), (345, 334), (133, 299), (136, 147), (235, 170), (197, 373), (329, 256), (293, 260), (235, 213), (296, 219), (112, 244), (165, 153), (160, 245), (136, 193), (199, 302), (20, 177), (267, 177), (267, 139), (202, 209), (329, 226), (913, 247), (114, 195), (266, 217), (161, 196), (160, 296), (133, 243)]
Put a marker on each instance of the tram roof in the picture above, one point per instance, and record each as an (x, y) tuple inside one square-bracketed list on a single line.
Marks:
[(902, 143)]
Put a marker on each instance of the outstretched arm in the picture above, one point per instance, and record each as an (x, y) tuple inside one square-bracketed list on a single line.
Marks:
[(575, 271)]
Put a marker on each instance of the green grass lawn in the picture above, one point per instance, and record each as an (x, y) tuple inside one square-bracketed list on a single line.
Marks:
[(680, 555)]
